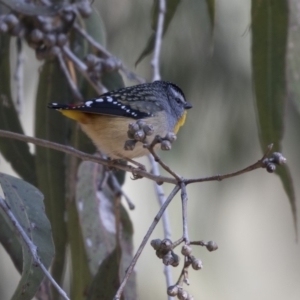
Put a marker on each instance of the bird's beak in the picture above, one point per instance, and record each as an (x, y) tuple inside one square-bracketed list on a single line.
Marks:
[(188, 105)]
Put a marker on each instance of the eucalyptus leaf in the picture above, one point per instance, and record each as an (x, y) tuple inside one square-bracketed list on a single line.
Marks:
[(26, 204), (96, 205), (81, 275), (106, 281), (15, 152), (50, 164), (11, 244), (269, 49)]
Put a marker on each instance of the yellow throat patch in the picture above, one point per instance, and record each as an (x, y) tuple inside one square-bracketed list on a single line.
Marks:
[(180, 122)]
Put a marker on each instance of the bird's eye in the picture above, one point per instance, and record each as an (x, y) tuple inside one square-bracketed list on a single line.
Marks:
[(178, 100)]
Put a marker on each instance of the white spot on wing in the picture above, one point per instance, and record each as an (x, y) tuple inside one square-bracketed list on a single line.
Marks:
[(109, 99), (99, 100), (88, 103)]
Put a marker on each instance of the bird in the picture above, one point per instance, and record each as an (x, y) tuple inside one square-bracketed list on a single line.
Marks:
[(105, 119)]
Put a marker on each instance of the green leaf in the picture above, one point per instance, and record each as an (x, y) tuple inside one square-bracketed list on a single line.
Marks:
[(96, 208), (269, 43), (171, 7), (81, 275), (106, 281), (269, 39), (50, 164), (15, 152), (96, 214), (11, 244), (26, 204)]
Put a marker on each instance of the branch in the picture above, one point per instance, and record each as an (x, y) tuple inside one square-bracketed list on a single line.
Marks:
[(145, 240), (31, 247), (259, 164), (82, 68), (106, 53), (65, 70), (158, 40), (135, 171), (85, 157), (150, 147)]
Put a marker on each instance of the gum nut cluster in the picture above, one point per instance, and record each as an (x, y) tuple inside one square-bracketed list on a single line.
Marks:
[(164, 251), (44, 33)]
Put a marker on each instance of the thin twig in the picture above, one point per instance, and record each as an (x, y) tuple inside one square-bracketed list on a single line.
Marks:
[(259, 164), (82, 68), (72, 84), (165, 218), (198, 243), (145, 240), (93, 42), (178, 242), (184, 199), (106, 53), (158, 40), (150, 147), (31, 247), (126, 168), (78, 63), (84, 156)]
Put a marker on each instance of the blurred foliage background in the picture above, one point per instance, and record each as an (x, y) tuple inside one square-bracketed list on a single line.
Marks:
[(249, 216)]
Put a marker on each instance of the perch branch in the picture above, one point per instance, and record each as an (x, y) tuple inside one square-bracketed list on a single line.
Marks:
[(84, 156), (137, 171)]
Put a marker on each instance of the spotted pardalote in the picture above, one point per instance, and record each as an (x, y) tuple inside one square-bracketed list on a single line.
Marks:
[(105, 119)]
